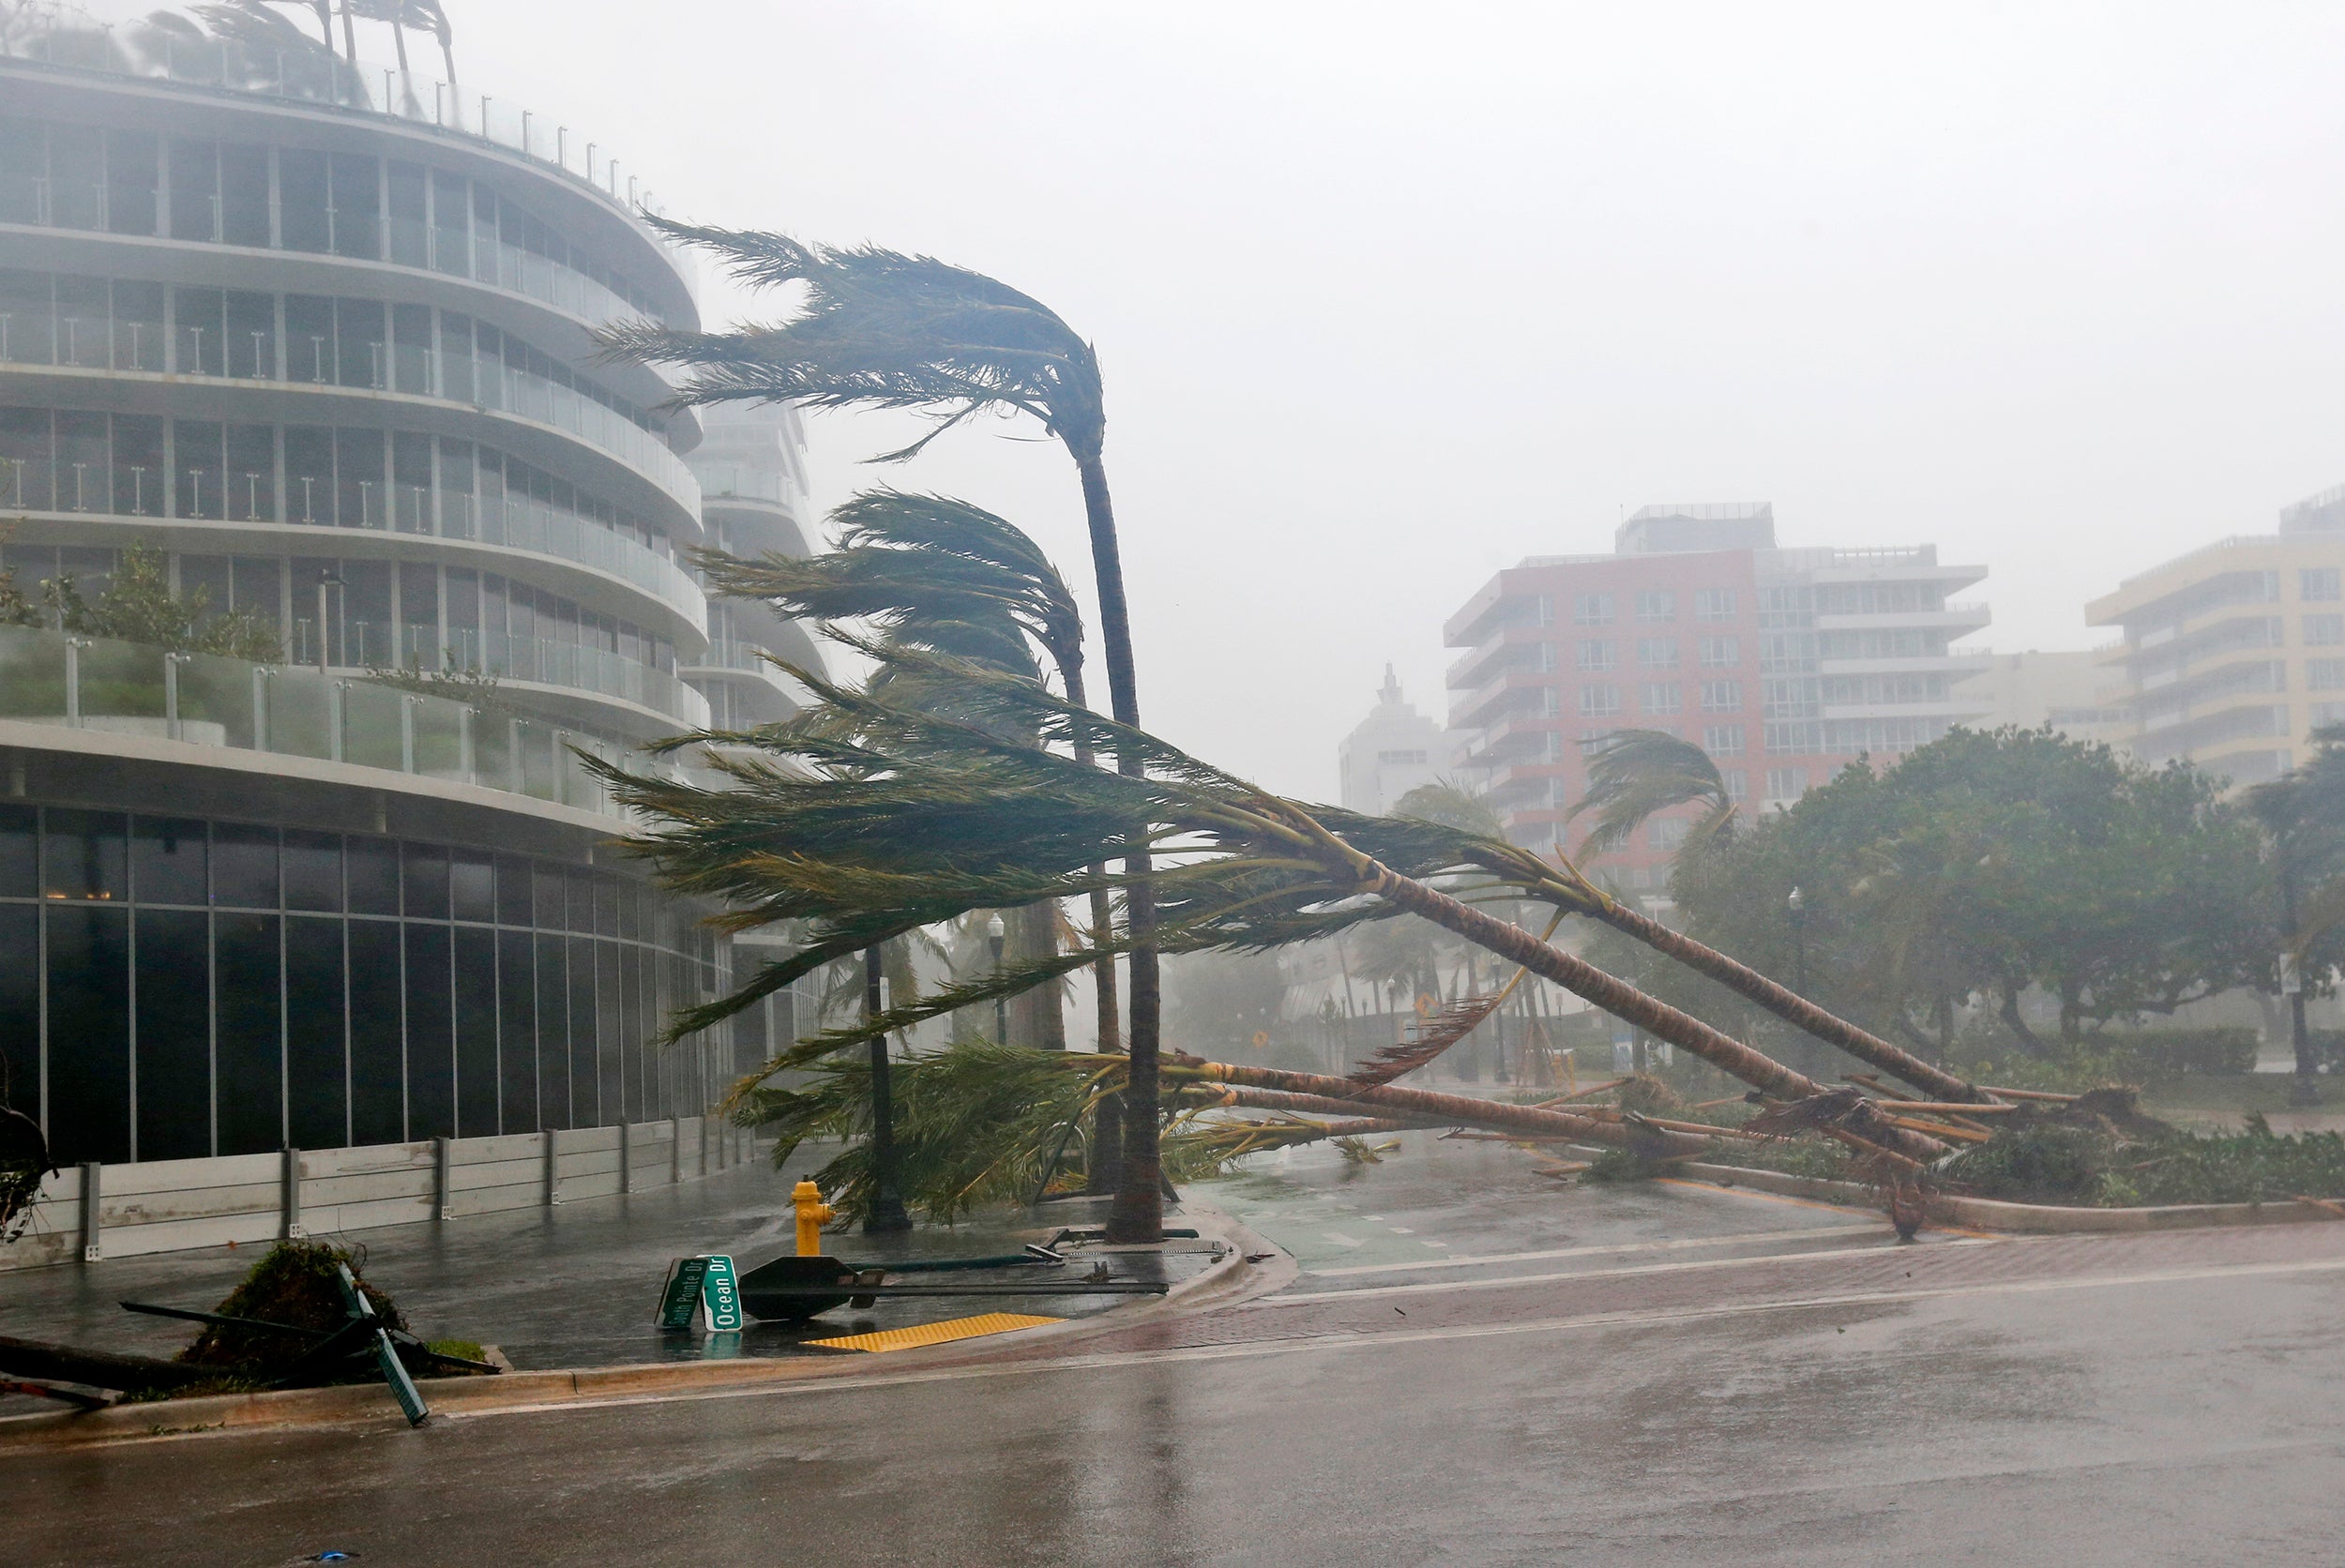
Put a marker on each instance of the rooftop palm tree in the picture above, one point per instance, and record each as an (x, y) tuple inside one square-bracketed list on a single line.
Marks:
[(877, 328)]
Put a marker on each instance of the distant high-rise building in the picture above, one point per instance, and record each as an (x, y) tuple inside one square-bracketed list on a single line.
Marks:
[(2233, 653), (1394, 749), (2062, 689), (1785, 665)]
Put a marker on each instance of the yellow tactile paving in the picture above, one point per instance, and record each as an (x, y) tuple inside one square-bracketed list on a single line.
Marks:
[(936, 1334)]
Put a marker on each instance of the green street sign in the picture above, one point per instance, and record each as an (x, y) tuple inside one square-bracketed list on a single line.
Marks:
[(720, 1295), (705, 1284), (681, 1296)]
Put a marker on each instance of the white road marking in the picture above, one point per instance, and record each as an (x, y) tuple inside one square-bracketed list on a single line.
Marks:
[(1470, 1260), (1320, 1344), (1341, 1240), (1401, 1230), (1454, 1287)]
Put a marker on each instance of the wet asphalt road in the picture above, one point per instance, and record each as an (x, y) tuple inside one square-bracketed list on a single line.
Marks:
[(1477, 1366)]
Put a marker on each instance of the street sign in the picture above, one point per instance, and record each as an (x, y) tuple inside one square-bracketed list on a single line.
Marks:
[(720, 1295), (681, 1296), (704, 1284), (2291, 977)]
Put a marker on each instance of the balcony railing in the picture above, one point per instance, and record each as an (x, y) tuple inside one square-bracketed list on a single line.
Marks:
[(537, 660), (128, 688), (228, 66)]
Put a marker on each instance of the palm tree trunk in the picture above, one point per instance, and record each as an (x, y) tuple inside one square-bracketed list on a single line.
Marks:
[(1453, 1109), (1103, 1156), (1634, 1007), (350, 39), (1792, 1008), (1138, 1215)]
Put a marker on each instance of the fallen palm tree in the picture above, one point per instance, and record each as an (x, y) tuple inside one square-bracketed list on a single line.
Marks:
[(876, 815)]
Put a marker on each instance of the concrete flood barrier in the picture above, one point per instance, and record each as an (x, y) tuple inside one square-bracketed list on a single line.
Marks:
[(92, 1212)]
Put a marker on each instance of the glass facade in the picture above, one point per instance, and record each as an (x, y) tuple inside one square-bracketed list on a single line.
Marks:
[(172, 988), (134, 182)]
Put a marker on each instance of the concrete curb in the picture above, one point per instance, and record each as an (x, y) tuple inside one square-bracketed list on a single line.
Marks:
[(1990, 1214), (368, 1405)]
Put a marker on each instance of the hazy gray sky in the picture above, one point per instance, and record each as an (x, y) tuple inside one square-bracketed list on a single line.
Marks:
[(1389, 296)]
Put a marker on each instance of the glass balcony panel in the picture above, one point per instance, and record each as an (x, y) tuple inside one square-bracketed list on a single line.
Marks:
[(122, 685), (32, 675), (215, 698), (440, 745), (370, 725), (299, 711)]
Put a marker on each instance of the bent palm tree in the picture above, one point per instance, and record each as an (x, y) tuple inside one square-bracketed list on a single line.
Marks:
[(1641, 773), (940, 574), (880, 329), (887, 818)]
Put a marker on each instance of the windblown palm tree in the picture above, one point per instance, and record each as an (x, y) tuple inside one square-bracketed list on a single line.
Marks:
[(1641, 773), (880, 329), (939, 574), (870, 818)]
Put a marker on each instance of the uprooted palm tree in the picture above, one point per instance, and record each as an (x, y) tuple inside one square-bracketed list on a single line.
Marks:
[(870, 816), (877, 328)]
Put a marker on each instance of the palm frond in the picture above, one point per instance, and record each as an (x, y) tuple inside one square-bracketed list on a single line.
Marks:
[(1641, 773), (878, 329)]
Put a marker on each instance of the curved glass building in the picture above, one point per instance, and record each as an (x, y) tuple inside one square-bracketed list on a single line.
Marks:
[(333, 364)]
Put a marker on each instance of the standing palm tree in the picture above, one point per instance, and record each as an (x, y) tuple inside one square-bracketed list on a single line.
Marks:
[(880, 329), (1641, 773)]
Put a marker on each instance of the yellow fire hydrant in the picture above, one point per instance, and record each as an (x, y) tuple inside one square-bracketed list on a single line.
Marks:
[(813, 1213)]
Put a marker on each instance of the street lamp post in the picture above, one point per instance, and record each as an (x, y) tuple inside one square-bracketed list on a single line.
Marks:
[(887, 1203), (1797, 904), (994, 932)]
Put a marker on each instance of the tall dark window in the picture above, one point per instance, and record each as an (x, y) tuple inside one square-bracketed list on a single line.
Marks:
[(554, 1108), (430, 1048), (175, 1033), (517, 1030), (20, 1007), (317, 1093), (587, 1106), (89, 1032), (378, 1102), (475, 986), (249, 1037)]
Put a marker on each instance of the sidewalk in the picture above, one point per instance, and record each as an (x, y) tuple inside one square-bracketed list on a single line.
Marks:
[(576, 1285)]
